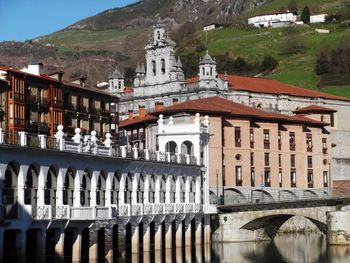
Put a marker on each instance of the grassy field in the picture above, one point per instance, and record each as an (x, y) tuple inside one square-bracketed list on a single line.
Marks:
[(254, 44)]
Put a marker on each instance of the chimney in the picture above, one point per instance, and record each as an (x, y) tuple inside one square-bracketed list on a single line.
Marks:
[(142, 111), (82, 80), (130, 114), (159, 105), (33, 68), (58, 75)]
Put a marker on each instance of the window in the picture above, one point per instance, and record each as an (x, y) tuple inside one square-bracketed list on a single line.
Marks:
[(324, 145), (238, 175), (309, 142), (251, 159), (292, 141), (238, 136), (332, 119), (310, 179), (158, 34), (279, 140), (252, 176), (267, 159), (293, 178), (267, 178), (251, 137), (292, 160), (266, 139), (325, 178), (280, 178), (280, 160), (163, 66), (154, 70), (175, 100), (309, 162)]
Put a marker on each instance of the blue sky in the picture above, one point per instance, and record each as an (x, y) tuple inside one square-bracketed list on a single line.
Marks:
[(26, 19)]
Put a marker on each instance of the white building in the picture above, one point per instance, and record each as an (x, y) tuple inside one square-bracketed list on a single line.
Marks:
[(211, 27), (321, 18), (273, 20)]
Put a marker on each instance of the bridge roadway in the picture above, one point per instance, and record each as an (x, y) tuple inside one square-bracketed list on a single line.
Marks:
[(63, 199), (261, 221)]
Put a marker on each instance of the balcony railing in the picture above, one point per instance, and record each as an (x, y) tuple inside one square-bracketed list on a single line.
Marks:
[(43, 127), (19, 97), (324, 150), (91, 146), (65, 212), (43, 103), (83, 109)]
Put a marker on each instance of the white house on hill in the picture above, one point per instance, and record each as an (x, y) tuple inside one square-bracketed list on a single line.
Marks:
[(273, 19)]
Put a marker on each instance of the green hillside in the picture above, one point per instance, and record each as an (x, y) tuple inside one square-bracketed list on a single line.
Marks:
[(253, 44)]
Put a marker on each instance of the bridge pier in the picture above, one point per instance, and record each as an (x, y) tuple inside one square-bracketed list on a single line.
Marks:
[(77, 245), (59, 247), (338, 227)]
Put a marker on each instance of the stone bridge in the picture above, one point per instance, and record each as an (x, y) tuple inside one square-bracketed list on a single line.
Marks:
[(255, 222)]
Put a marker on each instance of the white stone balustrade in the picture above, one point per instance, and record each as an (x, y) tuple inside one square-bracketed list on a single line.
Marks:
[(89, 144)]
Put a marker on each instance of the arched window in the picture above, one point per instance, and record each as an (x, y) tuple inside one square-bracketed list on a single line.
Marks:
[(158, 34), (211, 71), (203, 71), (154, 70), (163, 65)]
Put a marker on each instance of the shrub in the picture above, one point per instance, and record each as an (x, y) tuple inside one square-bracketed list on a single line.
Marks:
[(268, 64), (305, 15)]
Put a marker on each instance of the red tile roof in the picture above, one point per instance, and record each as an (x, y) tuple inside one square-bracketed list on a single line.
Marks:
[(137, 120), (314, 109), (220, 106), (269, 86), (42, 76), (263, 85)]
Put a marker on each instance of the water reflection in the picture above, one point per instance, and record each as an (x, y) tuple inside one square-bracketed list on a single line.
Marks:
[(285, 248)]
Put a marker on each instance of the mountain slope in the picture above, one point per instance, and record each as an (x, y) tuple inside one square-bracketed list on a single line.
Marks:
[(96, 44)]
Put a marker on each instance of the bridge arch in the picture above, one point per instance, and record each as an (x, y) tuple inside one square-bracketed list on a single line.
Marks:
[(233, 195), (310, 194), (259, 195), (288, 195), (272, 223)]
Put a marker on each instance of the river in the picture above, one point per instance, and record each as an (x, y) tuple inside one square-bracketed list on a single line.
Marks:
[(285, 248)]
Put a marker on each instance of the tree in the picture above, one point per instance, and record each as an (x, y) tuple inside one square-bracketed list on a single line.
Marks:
[(293, 6), (129, 76), (268, 64), (239, 64), (305, 15), (322, 64)]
